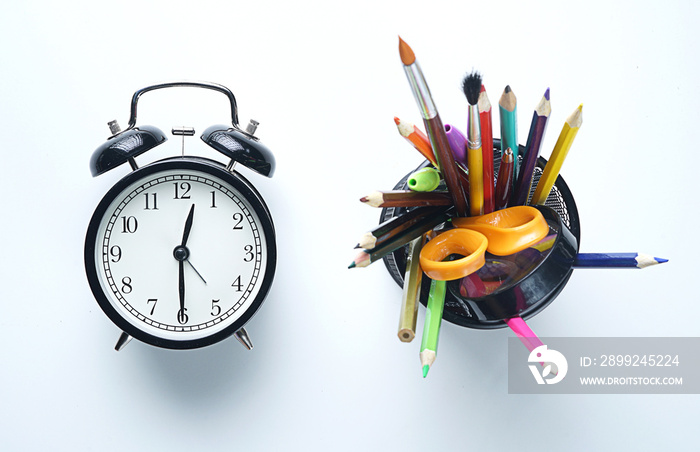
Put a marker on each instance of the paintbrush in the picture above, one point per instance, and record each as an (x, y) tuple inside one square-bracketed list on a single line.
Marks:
[(471, 86)]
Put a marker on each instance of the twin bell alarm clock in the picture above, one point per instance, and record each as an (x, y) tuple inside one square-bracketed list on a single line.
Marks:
[(180, 253)]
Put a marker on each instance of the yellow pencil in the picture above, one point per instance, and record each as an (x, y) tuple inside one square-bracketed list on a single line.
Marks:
[(556, 160), (411, 292)]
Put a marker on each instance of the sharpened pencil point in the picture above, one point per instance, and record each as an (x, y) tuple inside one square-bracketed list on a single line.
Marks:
[(660, 260), (364, 199), (426, 368), (546, 94), (406, 53), (396, 120), (507, 90), (352, 265)]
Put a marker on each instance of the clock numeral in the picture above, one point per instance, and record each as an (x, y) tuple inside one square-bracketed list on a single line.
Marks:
[(129, 225), (126, 285), (151, 201), (182, 317), (182, 190), (239, 218), (155, 302), (215, 308), (248, 253), (237, 284), (213, 199), (116, 253)]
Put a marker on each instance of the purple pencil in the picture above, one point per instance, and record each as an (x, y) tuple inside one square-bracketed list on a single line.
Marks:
[(521, 191)]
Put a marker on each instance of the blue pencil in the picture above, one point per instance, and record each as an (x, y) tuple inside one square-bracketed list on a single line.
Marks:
[(616, 260)]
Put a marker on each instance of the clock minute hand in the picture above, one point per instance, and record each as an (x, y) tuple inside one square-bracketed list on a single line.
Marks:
[(181, 288)]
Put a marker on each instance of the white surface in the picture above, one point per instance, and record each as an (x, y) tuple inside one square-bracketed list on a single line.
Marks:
[(325, 79)]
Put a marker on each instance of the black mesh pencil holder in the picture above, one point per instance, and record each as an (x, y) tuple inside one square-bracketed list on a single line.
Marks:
[(521, 284)]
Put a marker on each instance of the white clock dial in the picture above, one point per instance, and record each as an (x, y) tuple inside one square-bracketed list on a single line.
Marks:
[(181, 254)]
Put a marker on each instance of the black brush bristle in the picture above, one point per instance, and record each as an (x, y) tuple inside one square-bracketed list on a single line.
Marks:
[(471, 85)]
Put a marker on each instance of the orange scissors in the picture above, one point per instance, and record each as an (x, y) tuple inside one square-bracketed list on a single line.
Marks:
[(502, 233)]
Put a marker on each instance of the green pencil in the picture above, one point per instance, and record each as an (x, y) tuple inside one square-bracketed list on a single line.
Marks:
[(431, 329), (508, 110)]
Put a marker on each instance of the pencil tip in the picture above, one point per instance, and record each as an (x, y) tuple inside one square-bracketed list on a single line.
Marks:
[(352, 265), (507, 90), (357, 246), (546, 94), (364, 199), (483, 88), (580, 107), (426, 368), (406, 53), (660, 260), (396, 120)]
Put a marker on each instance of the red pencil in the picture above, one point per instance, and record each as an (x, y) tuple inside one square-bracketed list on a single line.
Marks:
[(487, 149)]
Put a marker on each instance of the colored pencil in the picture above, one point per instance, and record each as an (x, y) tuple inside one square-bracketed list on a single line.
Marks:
[(616, 260), (407, 198), (411, 292), (504, 183), (433, 320), (471, 286), (475, 164), (395, 241), (561, 149), (396, 225), (508, 110), (486, 148), (417, 138), (538, 127), (434, 127), (527, 337), (524, 333)]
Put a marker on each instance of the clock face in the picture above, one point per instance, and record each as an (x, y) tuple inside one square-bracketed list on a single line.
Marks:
[(181, 253)]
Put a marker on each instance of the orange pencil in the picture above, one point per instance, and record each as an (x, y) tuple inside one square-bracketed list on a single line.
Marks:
[(417, 138)]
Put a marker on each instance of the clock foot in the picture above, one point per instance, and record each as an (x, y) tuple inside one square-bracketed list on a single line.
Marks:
[(123, 340), (243, 338)]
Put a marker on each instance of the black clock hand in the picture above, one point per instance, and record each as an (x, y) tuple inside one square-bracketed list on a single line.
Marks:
[(181, 317), (195, 270), (185, 237), (188, 226)]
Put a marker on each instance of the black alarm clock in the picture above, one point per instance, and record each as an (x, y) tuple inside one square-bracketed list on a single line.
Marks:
[(180, 253)]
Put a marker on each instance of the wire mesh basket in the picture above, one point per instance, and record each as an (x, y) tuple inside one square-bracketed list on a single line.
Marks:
[(521, 284)]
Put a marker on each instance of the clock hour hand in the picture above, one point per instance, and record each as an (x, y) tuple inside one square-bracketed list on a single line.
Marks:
[(188, 226)]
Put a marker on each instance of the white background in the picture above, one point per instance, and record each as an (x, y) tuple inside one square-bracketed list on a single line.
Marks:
[(325, 80)]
